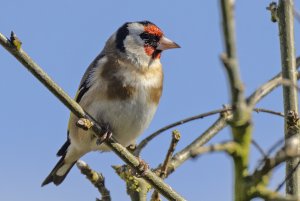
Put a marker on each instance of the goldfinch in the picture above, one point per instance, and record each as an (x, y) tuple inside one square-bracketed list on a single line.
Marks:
[(121, 87)]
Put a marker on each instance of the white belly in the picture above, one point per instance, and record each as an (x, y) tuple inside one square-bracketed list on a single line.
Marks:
[(127, 120)]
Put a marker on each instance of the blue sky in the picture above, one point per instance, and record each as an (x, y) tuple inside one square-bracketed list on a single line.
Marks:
[(65, 36)]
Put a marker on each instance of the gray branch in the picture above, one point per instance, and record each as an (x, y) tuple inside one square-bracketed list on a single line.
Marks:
[(285, 14)]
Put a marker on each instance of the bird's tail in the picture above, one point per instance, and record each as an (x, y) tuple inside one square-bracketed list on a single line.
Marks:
[(59, 172)]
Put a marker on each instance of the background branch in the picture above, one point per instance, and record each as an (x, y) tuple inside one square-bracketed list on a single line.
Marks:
[(227, 147), (270, 163), (285, 13), (97, 179), (269, 195)]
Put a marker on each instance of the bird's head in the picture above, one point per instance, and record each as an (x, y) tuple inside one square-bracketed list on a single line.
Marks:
[(141, 42)]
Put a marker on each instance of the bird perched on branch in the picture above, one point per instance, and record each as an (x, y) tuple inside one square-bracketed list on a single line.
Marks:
[(121, 87)]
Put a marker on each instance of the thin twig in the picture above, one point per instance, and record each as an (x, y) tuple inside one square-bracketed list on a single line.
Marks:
[(173, 144), (227, 147), (183, 155), (97, 179), (259, 148), (121, 151), (269, 152), (287, 177), (163, 170), (145, 141), (268, 195), (281, 156), (258, 110)]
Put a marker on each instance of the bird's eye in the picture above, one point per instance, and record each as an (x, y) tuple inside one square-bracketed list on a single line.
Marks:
[(150, 39), (145, 36)]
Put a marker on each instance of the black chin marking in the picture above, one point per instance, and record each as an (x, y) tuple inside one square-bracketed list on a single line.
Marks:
[(156, 53), (120, 37)]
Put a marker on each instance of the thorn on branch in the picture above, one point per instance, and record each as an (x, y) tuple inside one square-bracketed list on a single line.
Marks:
[(273, 10), (97, 179)]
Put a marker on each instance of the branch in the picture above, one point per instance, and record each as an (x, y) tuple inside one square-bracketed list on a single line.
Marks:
[(163, 170), (268, 195), (289, 151), (285, 13), (258, 110), (229, 59), (183, 155), (121, 151), (137, 188), (175, 140), (144, 142), (259, 148), (97, 179), (268, 87), (287, 177), (241, 126), (227, 147)]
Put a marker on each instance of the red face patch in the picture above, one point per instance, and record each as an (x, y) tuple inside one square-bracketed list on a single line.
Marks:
[(150, 51), (152, 29)]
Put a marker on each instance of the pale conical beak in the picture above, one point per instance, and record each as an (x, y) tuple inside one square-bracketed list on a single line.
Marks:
[(165, 43)]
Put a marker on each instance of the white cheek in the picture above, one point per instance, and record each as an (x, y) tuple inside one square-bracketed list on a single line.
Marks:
[(134, 45), (135, 51)]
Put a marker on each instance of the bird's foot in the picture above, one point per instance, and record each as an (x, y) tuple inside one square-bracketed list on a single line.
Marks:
[(105, 136), (84, 124)]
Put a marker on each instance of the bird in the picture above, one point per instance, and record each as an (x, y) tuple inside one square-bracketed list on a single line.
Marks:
[(121, 87)]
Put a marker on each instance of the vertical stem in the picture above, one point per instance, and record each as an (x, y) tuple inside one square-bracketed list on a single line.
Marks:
[(241, 122), (290, 96)]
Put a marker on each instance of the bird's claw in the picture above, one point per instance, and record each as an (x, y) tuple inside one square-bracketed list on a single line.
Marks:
[(104, 137), (84, 123)]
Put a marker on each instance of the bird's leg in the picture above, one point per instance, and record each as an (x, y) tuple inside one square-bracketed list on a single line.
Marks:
[(84, 124)]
